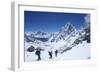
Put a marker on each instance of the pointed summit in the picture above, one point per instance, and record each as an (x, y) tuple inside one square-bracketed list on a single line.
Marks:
[(64, 32), (68, 24), (67, 28)]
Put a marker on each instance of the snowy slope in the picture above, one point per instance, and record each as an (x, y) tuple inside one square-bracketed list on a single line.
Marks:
[(64, 32), (81, 51)]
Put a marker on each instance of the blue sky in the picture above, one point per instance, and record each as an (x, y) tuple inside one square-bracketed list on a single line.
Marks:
[(51, 21)]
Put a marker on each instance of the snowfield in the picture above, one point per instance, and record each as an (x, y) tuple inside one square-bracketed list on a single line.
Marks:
[(81, 51)]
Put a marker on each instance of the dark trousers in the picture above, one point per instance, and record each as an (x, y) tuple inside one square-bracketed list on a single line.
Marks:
[(50, 56), (39, 58)]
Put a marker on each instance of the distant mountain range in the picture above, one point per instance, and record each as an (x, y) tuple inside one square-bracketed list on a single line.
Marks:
[(67, 37)]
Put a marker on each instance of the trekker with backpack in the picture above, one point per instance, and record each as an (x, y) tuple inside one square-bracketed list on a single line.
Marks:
[(50, 54), (38, 53)]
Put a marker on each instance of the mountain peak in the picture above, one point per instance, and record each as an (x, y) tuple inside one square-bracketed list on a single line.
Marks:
[(68, 28), (64, 32), (68, 24)]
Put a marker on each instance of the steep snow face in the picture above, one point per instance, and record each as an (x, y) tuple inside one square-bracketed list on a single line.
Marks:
[(64, 32), (67, 28)]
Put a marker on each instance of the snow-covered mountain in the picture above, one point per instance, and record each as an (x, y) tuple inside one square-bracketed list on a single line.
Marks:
[(65, 31), (29, 39), (39, 36), (67, 35), (63, 40)]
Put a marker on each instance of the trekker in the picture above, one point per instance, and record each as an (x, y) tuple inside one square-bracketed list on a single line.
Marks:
[(56, 53), (50, 54), (38, 53)]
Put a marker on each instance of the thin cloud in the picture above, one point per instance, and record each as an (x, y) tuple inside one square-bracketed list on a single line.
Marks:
[(87, 19)]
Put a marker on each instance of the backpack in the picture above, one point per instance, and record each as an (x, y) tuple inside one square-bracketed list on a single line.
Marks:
[(37, 52)]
